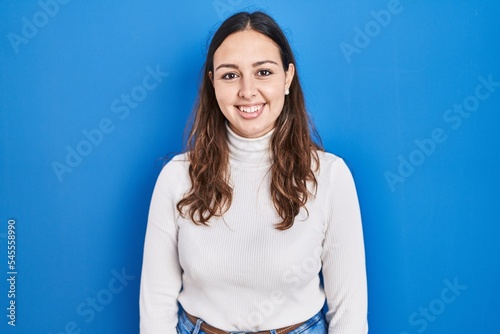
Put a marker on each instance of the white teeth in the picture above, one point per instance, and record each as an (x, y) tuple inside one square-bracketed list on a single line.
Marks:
[(251, 109)]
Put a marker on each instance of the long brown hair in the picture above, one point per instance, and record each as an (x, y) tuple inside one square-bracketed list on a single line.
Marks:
[(294, 151)]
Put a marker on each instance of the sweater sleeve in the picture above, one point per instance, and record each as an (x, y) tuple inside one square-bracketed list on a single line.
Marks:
[(161, 272), (343, 256)]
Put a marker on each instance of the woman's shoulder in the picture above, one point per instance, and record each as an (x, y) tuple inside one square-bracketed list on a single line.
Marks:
[(328, 159), (175, 171), (179, 160), (330, 163)]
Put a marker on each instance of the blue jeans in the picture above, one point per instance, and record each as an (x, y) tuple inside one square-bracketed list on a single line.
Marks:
[(315, 325)]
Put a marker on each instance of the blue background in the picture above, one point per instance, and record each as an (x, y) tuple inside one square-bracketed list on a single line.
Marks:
[(435, 226)]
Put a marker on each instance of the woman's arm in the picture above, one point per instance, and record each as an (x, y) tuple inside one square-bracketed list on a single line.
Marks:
[(343, 256), (161, 272)]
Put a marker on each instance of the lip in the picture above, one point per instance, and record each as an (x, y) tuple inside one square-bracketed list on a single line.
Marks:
[(253, 115)]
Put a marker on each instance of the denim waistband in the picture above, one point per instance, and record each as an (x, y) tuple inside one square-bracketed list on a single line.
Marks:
[(313, 321)]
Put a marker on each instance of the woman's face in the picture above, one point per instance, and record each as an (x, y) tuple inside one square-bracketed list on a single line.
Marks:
[(250, 82)]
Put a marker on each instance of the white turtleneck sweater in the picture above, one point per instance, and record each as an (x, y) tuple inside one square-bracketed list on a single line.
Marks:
[(240, 273)]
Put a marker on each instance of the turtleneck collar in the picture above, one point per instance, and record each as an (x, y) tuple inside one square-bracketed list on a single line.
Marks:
[(249, 150)]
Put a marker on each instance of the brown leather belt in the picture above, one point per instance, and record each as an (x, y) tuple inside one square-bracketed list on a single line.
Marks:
[(214, 330)]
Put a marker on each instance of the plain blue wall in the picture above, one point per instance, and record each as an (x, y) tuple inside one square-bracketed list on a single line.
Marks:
[(399, 89)]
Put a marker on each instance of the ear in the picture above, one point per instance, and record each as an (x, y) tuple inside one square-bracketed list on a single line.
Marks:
[(211, 77), (289, 74)]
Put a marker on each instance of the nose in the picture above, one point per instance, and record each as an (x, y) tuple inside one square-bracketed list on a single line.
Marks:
[(248, 89)]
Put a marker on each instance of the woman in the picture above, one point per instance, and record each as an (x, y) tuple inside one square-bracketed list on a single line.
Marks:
[(241, 225)]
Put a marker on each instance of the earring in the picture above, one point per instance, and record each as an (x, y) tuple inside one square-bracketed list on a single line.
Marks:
[(287, 91)]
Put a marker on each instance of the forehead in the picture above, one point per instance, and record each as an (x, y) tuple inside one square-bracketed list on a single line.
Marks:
[(246, 46)]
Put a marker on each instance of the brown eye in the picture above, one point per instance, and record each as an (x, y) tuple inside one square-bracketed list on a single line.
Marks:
[(229, 76), (264, 73)]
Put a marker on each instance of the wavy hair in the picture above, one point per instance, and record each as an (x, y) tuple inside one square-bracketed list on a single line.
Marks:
[(294, 151)]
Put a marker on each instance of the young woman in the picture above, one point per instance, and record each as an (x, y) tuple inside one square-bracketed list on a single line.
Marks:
[(242, 224)]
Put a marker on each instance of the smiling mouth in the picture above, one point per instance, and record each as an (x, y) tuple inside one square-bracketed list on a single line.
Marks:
[(250, 109)]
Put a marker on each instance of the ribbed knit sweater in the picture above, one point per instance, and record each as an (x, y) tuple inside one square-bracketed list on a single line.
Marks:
[(240, 273)]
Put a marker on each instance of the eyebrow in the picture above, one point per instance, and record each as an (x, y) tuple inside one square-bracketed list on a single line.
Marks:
[(258, 63)]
